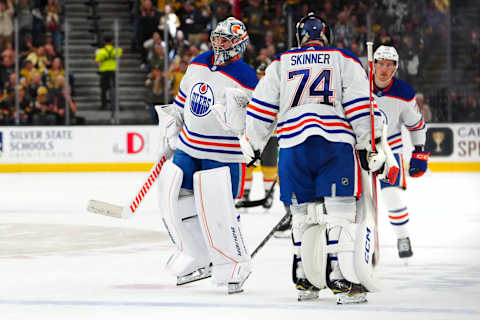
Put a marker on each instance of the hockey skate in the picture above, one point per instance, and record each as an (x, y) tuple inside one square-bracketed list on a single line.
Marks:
[(196, 275), (285, 229), (404, 248), (306, 290), (348, 292), (237, 287)]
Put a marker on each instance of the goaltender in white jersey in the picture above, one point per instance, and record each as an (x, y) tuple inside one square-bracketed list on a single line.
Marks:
[(197, 187), (317, 98)]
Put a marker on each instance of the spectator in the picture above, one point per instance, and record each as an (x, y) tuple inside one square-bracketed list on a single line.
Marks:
[(59, 97), (28, 71), (38, 26), (44, 112), (52, 21), (344, 30), (221, 9), (254, 17), (106, 59), (472, 111), (423, 107), (149, 47), (25, 105), (6, 68), (158, 58), (39, 59), (6, 23), (55, 71), (192, 22), (173, 23), (25, 17), (26, 46), (148, 22), (34, 85)]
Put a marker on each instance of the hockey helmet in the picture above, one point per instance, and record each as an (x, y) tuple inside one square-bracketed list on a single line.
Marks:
[(312, 27), (229, 39), (386, 53)]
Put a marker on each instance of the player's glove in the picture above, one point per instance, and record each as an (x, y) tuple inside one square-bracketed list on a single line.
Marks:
[(418, 162), (251, 155)]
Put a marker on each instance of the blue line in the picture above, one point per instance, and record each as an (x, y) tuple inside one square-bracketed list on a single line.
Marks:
[(398, 210), (258, 306), (399, 223), (209, 137), (313, 125), (322, 117)]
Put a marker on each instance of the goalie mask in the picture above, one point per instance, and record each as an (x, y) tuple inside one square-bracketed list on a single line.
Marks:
[(312, 27), (229, 40)]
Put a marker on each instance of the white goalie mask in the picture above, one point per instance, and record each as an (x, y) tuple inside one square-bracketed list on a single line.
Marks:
[(386, 53), (229, 39)]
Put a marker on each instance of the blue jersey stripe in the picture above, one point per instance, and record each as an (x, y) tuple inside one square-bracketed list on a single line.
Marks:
[(178, 103), (399, 223), (258, 117), (397, 147), (364, 114), (398, 210), (182, 93), (209, 137), (209, 150), (329, 117), (395, 135), (265, 104), (346, 104), (286, 136)]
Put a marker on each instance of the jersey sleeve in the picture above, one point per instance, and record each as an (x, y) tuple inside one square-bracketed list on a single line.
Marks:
[(356, 100), (413, 120), (263, 108)]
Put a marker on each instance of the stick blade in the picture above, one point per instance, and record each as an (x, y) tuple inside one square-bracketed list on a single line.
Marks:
[(105, 209)]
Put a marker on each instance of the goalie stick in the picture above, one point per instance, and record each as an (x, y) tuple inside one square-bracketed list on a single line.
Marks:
[(256, 203), (116, 211), (372, 126)]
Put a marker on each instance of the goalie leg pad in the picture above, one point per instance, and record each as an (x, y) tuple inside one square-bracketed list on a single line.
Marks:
[(314, 255), (220, 226), (182, 223)]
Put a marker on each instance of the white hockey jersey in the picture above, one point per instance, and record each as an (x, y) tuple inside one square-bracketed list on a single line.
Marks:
[(398, 105), (202, 136), (309, 91)]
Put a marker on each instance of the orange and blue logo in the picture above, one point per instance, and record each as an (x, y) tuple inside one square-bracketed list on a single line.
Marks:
[(201, 99)]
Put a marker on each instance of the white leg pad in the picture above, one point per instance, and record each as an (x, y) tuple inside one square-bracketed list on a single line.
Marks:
[(314, 255), (220, 226), (356, 248), (181, 221)]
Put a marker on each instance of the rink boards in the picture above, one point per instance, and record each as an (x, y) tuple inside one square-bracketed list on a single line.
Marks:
[(453, 147)]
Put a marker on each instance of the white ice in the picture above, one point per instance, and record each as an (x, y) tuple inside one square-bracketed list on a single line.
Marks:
[(59, 262)]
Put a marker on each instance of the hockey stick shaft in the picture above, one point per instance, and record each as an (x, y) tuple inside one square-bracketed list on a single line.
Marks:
[(259, 202), (270, 234), (372, 126)]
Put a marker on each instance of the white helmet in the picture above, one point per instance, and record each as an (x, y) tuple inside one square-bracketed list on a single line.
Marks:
[(386, 53), (233, 30)]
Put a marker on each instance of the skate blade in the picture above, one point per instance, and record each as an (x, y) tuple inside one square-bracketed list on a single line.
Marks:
[(307, 296), (192, 278), (355, 299), (237, 287)]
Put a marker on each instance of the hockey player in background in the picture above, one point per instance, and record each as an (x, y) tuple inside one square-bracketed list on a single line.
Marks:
[(317, 99), (396, 99), (207, 172)]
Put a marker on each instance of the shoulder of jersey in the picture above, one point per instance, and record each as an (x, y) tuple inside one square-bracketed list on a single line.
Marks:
[(239, 70), (401, 89), (204, 58), (344, 52)]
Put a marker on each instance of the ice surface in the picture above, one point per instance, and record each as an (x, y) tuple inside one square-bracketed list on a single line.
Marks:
[(59, 262)]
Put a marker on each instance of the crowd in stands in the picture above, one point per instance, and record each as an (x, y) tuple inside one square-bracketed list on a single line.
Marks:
[(416, 28), (42, 97)]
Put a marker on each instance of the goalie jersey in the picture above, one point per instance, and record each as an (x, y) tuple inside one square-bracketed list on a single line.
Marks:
[(398, 106), (202, 136), (309, 91)]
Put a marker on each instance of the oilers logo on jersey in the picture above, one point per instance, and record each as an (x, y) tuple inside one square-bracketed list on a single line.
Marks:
[(201, 99)]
